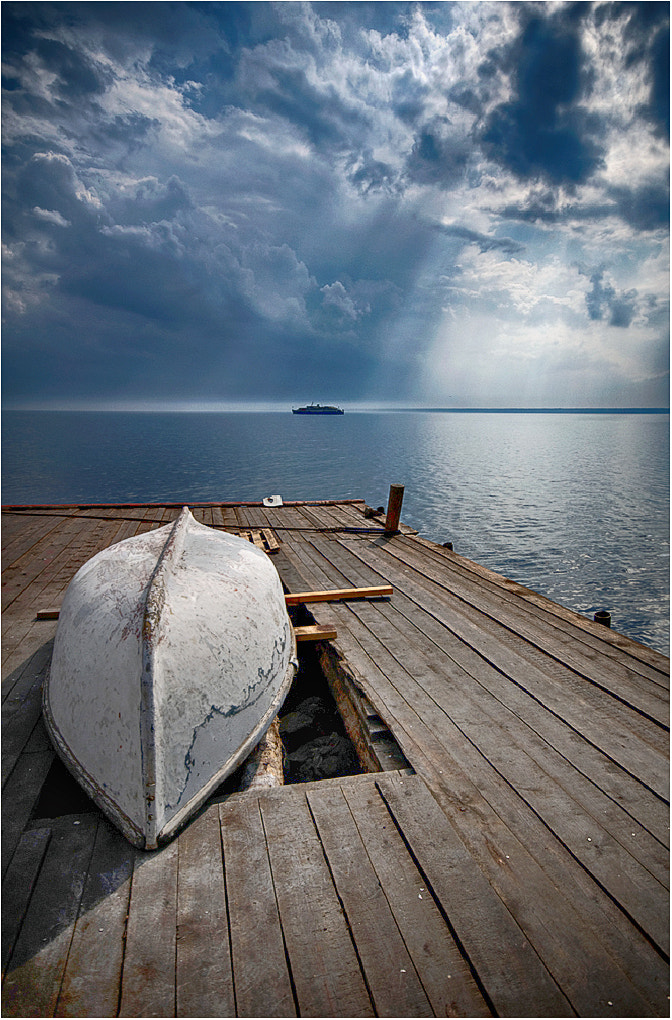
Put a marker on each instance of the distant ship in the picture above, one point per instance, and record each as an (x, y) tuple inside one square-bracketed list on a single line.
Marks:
[(318, 409)]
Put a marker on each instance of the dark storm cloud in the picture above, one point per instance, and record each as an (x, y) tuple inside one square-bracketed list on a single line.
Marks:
[(239, 199), (367, 173), (439, 155), (659, 104), (484, 242), (545, 131), (605, 302), (646, 41), (644, 208)]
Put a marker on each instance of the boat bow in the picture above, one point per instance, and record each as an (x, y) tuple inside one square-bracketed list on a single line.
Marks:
[(173, 654)]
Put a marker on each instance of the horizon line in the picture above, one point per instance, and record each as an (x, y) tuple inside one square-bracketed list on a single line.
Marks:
[(358, 407)]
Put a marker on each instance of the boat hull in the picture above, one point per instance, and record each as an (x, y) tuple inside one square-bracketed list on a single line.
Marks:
[(317, 410), (173, 654)]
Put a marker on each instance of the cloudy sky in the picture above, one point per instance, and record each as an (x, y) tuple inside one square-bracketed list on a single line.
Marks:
[(438, 204)]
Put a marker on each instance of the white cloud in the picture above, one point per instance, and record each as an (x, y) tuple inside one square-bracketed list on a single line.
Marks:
[(331, 185), (516, 288), (277, 283), (51, 216), (337, 297), (476, 360)]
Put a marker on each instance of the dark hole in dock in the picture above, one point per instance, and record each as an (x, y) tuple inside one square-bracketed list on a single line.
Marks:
[(343, 716), (313, 734), (315, 740)]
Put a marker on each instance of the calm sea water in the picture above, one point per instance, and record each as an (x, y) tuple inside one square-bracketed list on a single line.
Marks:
[(575, 506)]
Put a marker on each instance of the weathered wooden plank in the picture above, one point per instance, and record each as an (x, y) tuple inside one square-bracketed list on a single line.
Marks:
[(317, 570), (244, 517), (39, 740), (325, 970), (21, 533), (283, 518), (18, 886), (645, 656), (19, 643), (621, 788), (376, 749), (61, 564), (541, 910), (315, 632), (19, 680), (21, 711), (229, 518), (596, 832), (573, 646), (270, 539), (204, 981), (17, 521), (593, 922), (35, 970), (22, 635), (445, 975), (18, 799), (577, 634), (148, 978), (171, 513), (151, 519), (631, 740), (218, 517), (13, 522), (338, 594), (515, 981), (18, 731), (32, 570), (529, 633), (296, 568), (263, 984), (92, 977), (390, 975), (255, 516), (290, 575), (264, 767), (341, 515), (573, 954), (255, 538)]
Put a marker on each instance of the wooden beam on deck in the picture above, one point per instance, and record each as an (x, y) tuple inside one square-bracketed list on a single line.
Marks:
[(315, 632), (339, 594)]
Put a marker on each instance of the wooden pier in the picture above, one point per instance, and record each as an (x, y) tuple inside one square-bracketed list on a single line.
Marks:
[(513, 860)]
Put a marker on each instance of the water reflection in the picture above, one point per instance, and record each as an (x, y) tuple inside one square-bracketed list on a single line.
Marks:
[(574, 506)]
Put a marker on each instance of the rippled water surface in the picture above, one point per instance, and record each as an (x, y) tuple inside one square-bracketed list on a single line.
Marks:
[(575, 506)]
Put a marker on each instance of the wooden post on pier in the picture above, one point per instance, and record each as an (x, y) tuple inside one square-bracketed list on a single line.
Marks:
[(394, 509)]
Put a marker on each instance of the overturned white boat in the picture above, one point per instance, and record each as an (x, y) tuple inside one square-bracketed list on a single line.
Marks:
[(173, 654)]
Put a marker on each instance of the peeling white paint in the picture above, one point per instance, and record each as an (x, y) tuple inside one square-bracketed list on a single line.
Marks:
[(173, 654)]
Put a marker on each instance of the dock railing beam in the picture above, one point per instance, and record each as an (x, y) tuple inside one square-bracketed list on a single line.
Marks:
[(394, 509)]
